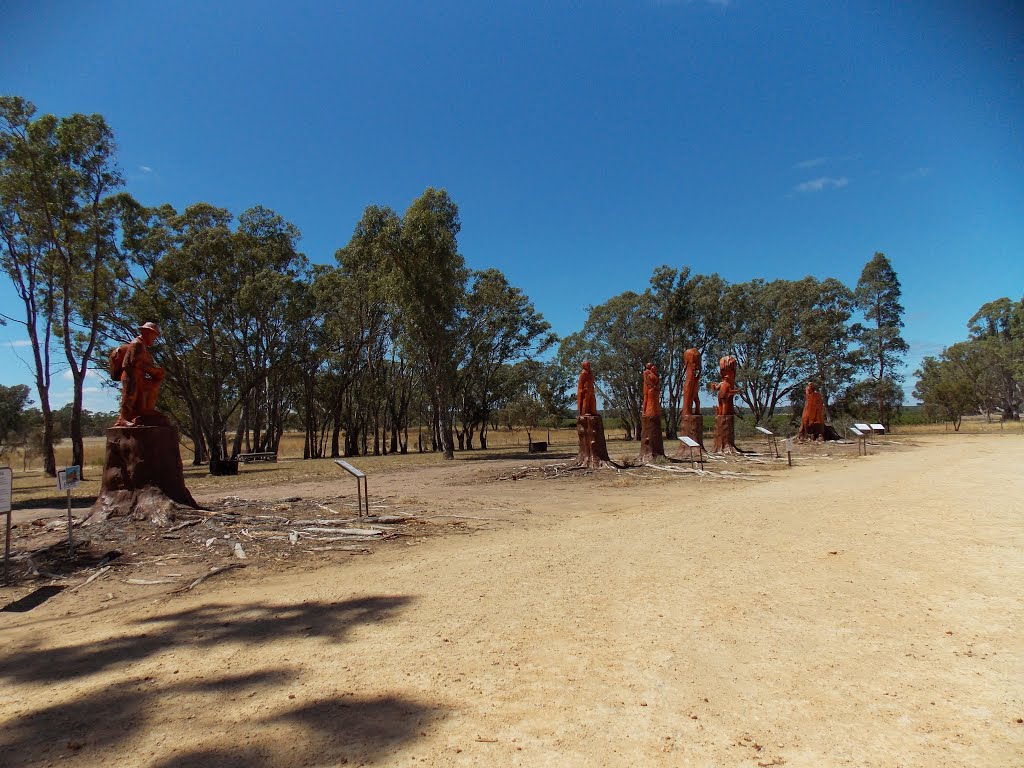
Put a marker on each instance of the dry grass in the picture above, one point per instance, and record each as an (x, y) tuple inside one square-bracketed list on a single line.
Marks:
[(35, 487), (971, 425)]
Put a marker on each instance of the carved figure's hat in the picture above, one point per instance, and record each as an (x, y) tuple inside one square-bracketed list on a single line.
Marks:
[(150, 327)]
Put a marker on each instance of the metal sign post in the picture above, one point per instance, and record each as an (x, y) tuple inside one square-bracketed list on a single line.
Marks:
[(862, 440), (690, 443), (773, 443), (6, 492), (361, 490), (789, 451), (66, 480)]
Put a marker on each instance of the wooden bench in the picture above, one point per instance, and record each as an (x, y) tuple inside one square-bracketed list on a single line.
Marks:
[(245, 458)]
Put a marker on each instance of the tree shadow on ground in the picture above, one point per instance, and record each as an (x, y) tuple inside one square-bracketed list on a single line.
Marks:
[(204, 626), (334, 731), (103, 723), (100, 726), (103, 718)]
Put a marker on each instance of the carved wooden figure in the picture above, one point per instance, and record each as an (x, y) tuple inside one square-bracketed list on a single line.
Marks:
[(725, 413), (691, 423), (651, 443), (812, 422), (593, 450), (142, 476)]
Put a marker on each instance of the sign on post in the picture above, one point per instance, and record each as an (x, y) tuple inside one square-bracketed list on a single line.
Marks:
[(360, 477), (878, 428), (690, 443), (69, 478), (6, 492), (773, 443), (862, 439)]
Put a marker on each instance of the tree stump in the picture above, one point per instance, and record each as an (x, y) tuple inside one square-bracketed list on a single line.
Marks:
[(651, 443), (725, 434), (693, 428), (593, 449), (143, 478)]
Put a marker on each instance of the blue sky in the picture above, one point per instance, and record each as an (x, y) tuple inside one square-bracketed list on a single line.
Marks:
[(585, 142)]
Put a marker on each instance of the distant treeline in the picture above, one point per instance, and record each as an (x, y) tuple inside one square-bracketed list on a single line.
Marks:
[(984, 374)]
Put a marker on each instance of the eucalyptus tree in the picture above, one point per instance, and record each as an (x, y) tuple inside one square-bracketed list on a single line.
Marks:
[(501, 327), (224, 299), (430, 291), (878, 298), (947, 384), (25, 257), (619, 338), (59, 227), (997, 332), (765, 330), (826, 337)]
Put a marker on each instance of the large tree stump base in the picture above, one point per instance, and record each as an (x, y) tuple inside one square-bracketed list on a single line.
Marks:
[(593, 449), (812, 432), (143, 478), (651, 443), (693, 428), (725, 434)]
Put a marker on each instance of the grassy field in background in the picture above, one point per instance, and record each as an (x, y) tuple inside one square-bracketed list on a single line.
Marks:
[(35, 488)]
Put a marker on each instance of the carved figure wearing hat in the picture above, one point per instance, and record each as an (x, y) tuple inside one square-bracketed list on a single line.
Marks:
[(140, 377)]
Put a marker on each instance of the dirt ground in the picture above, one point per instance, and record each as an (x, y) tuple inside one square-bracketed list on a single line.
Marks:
[(850, 611)]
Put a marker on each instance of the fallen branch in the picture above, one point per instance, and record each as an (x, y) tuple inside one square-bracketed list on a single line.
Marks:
[(205, 576), (185, 524), (463, 517), (92, 578)]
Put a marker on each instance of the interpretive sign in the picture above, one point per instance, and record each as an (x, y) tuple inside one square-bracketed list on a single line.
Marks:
[(862, 439), (863, 427), (878, 428), (362, 492), (68, 478), (6, 486), (690, 443), (773, 444)]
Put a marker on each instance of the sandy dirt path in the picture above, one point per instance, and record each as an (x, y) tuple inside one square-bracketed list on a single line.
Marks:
[(862, 612)]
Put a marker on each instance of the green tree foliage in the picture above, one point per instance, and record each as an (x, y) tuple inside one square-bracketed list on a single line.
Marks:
[(430, 281), (228, 303), (13, 405), (878, 298), (947, 385), (60, 223), (501, 326), (997, 332)]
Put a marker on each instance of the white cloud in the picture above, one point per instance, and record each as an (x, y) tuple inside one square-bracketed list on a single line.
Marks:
[(824, 182), (145, 169), (17, 343), (814, 162)]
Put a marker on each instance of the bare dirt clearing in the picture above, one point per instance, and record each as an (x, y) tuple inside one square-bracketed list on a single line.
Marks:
[(849, 612)]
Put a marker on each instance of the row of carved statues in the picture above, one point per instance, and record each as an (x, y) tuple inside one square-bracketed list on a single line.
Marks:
[(811, 423)]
